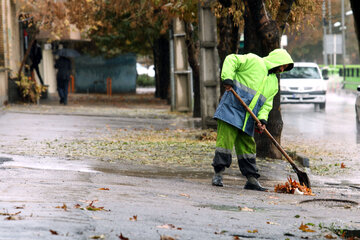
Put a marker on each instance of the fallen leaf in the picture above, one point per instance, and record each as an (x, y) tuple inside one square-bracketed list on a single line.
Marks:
[(236, 237), (305, 228), (91, 207), (272, 197), (98, 237), (104, 189), (164, 237), (63, 207), (185, 195), (53, 232), (253, 231), (122, 237), (166, 226), (343, 165), (291, 185), (10, 214), (246, 209), (134, 218), (169, 226), (329, 236), (11, 218), (77, 206), (272, 223)]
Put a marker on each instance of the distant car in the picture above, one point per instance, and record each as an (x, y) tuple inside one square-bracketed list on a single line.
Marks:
[(141, 70), (357, 109), (304, 84), (151, 71)]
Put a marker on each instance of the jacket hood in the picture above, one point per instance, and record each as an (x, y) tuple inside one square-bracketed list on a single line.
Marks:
[(278, 57)]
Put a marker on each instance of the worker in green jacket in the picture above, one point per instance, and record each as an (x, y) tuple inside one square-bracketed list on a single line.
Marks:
[(254, 79)]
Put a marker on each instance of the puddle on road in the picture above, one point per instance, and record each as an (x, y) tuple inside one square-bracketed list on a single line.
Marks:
[(331, 203), (230, 208), (50, 163), (152, 172), (221, 207), (5, 159), (45, 163)]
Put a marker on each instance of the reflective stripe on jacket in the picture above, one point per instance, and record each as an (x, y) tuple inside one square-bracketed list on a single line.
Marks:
[(250, 78)]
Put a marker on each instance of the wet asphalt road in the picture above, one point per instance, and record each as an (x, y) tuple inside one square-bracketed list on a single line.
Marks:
[(332, 130), (335, 123), (33, 189)]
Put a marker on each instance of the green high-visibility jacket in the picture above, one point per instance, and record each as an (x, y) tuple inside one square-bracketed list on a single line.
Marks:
[(249, 75)]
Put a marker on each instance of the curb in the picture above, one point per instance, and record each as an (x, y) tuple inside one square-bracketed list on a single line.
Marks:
[(300, 158)]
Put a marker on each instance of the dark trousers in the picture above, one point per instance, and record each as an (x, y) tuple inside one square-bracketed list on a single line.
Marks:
[(36, 68), (62, 88), (229, 136)]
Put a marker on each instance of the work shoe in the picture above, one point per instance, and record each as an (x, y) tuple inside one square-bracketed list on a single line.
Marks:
[(217, 180), (253, 184)]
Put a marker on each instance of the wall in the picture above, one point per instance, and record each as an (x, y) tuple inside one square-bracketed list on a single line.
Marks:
[(47, 69), (3, 87), (9, 46), (91, 74), (13, 39)]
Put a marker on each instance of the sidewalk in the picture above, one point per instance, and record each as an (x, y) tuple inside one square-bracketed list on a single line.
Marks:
[(130, 105)]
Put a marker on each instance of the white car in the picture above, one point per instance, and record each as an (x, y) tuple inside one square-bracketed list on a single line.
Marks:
[(304, 84), (141, 70)]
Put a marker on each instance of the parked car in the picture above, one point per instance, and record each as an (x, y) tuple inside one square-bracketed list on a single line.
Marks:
[(357, 109), (304, 84), (141, 70)]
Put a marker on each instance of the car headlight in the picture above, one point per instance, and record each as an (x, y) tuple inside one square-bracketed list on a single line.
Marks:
[(319, 88), (283, 88)]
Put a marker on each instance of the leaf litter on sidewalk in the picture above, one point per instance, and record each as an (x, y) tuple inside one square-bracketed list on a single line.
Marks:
[(184, 147)]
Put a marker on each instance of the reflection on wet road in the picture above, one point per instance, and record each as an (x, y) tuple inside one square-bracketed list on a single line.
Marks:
[(336, 123), (328, 137)]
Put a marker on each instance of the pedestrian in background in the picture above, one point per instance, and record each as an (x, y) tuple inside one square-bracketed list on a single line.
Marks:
[(254, 79), (36, 57), (63, 64)]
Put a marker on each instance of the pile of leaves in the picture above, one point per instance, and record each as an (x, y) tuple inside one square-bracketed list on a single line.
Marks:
[(290, 187), (29, 90)]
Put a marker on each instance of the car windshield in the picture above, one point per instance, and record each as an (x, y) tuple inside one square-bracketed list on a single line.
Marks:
[(302, 72)]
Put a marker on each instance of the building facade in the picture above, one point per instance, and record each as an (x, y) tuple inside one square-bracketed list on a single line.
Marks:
[(9, 46)]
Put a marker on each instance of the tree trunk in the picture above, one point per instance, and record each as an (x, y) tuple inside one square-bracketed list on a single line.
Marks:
[(228, 36), (261, 37), (161, 53), (193, 49), (355, 6)]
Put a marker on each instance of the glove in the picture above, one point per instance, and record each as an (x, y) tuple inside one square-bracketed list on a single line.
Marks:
[(260, 127)]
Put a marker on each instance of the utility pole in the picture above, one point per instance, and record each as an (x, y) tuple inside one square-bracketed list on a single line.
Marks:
[(324, 34), (330, 29), (343, 28), (209, 65)]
